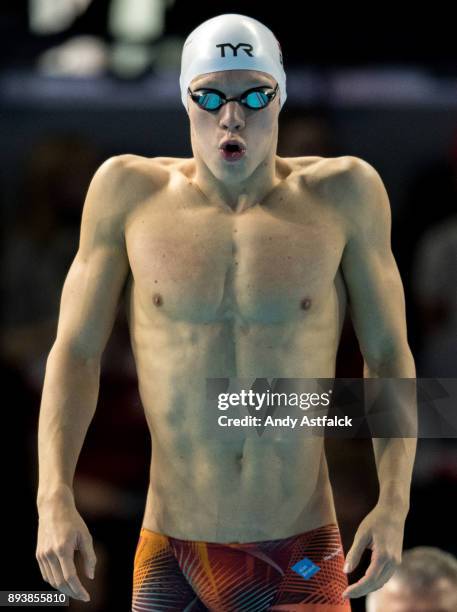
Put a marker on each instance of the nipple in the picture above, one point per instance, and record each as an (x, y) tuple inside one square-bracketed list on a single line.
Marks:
[(305, 303), (157, 299)]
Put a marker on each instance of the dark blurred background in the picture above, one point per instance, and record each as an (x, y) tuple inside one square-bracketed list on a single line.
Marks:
[(82, 80)]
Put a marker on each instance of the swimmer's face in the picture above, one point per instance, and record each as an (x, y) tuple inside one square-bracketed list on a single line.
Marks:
[(257, 129)]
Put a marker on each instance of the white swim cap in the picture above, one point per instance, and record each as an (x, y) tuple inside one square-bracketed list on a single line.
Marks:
[(231, 42)]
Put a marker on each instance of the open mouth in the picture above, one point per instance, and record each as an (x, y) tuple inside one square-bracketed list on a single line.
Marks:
[(232, 147), (232, 151)]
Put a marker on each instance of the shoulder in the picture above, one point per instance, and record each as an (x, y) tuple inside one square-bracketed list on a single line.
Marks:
[(355, 189), (123, 181), (131, 174), (119, 185), (345, 174)]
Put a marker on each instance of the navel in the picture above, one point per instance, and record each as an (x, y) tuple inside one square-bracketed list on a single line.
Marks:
[(305, 304), (157, 299)]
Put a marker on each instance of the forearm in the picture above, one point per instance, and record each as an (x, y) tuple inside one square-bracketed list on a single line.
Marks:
[(394, 463), (394, 456), (68, 405)]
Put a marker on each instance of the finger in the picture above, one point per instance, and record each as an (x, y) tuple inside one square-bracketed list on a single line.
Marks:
[(53, 576), (359, 588), (57, 578), (367, 583), (71, 576), (51, 572), (386, 575), (88, 554), (46, 571), (370, 578), (354, 554), (61, 583)]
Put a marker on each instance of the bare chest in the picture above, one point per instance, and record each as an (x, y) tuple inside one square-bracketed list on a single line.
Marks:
[(194, 262)]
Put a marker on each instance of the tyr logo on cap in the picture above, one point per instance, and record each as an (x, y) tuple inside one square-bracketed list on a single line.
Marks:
[(247, 48)]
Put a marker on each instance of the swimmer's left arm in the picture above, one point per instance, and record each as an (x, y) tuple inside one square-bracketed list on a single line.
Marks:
[(376, 296), (377, 307)]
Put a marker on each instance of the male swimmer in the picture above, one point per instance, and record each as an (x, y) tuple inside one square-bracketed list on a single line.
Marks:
[(235, 263)]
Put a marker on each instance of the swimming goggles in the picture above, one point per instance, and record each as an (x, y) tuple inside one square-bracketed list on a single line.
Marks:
[(254, 99)]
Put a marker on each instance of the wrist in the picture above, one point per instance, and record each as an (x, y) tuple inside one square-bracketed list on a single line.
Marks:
[(61, 493), (395, 498)]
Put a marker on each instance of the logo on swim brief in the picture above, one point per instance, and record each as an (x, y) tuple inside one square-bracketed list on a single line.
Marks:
[(333, 554), (247, 48), (306, 568)]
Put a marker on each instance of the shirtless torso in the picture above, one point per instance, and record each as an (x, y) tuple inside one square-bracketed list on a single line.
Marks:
[(213, 292)]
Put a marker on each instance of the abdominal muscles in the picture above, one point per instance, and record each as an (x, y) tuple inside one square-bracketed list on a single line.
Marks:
[(233, 488)]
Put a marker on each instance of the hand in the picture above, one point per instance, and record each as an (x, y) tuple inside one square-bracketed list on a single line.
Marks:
[(382, 532), (61, 531)]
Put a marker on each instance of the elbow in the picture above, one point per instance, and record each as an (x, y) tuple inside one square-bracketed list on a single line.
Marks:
[(79, 355), (392, 361)]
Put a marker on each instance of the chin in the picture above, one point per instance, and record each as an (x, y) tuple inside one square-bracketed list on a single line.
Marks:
[(235, 173)]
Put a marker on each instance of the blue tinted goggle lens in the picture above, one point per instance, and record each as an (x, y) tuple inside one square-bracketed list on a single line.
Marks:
[(212, 100)]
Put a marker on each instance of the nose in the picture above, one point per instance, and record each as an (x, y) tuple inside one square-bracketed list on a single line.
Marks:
[(232, 116)]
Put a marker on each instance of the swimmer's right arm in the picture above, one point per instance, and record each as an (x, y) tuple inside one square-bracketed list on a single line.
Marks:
[(88, 308)]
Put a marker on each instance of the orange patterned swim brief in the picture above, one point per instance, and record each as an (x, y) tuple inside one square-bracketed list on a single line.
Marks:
[(303, 572)]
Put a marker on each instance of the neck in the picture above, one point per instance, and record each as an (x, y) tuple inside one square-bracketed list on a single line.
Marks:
[(238, 195)]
